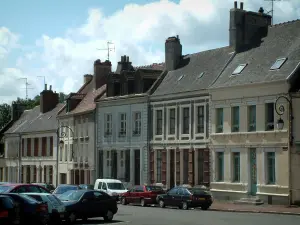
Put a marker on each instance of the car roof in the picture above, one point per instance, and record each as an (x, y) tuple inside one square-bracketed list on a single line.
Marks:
[(34, 193), (67, 185), (109, 180)]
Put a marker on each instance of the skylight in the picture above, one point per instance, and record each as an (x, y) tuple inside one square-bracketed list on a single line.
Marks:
[(180, 77), (278, 64), (239, 69), (200, 75)]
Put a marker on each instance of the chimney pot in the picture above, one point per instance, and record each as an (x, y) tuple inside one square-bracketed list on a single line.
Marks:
[(127, 59), (45, 87), (242, 5), (50, 87), (235, 4)]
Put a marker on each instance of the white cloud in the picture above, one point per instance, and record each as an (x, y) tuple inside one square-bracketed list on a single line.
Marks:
[(140, 31), (8, 41)]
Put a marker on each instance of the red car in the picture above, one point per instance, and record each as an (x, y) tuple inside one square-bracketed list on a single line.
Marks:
[(143, 195), (22, 188)]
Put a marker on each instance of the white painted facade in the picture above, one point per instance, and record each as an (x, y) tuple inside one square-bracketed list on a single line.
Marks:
[(133, 137), (78, 167)]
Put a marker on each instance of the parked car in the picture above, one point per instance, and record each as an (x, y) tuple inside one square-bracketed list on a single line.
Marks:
[(186, 198), (1, 183), (32, 211), (87, 186), (62, 188), (111, 186), (49, 187), (84, 204), (56, 208), (143, 195), (9, 211), (22, 188)]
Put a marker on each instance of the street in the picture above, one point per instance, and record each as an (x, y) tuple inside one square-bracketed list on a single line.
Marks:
[(136, 215)]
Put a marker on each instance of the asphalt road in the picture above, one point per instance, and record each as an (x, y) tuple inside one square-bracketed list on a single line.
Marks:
[(135, 215)]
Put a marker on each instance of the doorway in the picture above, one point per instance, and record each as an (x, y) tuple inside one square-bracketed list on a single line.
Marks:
[(137, 167), (172, 168), (253, 172)]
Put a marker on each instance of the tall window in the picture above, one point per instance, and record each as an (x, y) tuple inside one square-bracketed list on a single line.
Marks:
[(159, 124), (81, 126), (71, 152), (252, 118), (220, 166), (66, 153), (158, 167), (186, 120), (137, 126), (122, 124), (200, 119), (172, 121), (219, 120), (269, 116), (235, 119), (87, 126), (108, 124), (236, 166), (271, 167)]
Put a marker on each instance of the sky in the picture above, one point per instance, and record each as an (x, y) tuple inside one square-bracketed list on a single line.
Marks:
[(58, 41)]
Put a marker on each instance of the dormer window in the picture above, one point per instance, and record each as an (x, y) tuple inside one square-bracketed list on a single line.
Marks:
[(180, 77), (239, 69), (278, 64), (200, 75)]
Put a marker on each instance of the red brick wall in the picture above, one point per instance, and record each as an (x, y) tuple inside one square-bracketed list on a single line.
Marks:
[(152, 180), (51, 146), (44, 146), (36, 147), (164, 166), (28, 146)]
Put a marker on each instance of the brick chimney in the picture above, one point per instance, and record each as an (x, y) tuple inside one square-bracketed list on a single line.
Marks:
[(246, 29), (16, 110), (101, 70), (173, 53), (48, 99)]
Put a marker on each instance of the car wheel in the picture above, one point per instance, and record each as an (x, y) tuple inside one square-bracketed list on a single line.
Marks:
[(123, 201), (161, 204), (143, 202), (109, 216), (185, 206), (72, 217), (205, 207)]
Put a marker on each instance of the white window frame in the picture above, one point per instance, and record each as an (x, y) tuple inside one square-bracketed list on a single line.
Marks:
[(107, 124), (137, 123), (168, 121), (196, 120), (181, 135), (265, 165), (215, 174), (155, 109), (123, 125)]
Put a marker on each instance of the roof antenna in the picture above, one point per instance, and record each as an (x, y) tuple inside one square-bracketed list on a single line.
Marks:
[(108, 49), (272, 8), (26, 85)]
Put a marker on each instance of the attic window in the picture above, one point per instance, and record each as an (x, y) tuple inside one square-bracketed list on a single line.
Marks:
[(49, 117), (200, 75), (239, 69), (180, 77), (278, 64)]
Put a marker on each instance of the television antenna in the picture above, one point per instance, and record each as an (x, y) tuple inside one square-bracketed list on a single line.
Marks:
[(108, 49), (44, 78), (272, 8), (26, 85)]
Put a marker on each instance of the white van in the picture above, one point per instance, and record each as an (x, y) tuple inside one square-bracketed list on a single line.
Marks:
[(110, 186)]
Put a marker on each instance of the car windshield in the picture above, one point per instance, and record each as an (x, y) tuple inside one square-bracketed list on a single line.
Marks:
[(63, 189), (29, 199), (154, 188), (115, 186), (4, 189), (71, 196)]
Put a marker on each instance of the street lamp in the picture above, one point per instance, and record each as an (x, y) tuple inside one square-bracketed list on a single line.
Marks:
[(60, 133)]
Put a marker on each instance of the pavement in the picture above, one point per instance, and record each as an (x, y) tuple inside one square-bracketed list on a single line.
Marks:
[(136, 215)]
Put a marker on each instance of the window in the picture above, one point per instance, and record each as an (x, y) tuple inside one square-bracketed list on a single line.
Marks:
[(81, 126), (200, 119), (239, 69), (251, 118), (158, 167), (61, 154), (186, 120), (159, 123), (269, 116), (137, 123), (172, 121), (278, 64), (66, 152), (108, 124), (220, 166), (100, 185), (219, 120), (235, 119), (122, 124), (87, 126), (173, 191), (236, 167), (71, 152), (271, 167)]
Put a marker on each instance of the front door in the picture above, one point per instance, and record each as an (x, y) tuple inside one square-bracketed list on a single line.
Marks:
[(253, 172), (137, 167)]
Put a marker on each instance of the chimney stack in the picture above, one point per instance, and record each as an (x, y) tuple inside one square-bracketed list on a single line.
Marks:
[(101, 71), (16, 110), (48, 100), (173, 53), (235, 4), (45, 87), (50, 87), (242, 5)]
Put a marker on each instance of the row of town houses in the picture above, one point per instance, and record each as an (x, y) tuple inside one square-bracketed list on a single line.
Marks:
[(207, 118)]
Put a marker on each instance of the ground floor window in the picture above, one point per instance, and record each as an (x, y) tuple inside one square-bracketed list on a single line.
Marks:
[(220, 166), (158, 167), (236, 166), (271, 178)]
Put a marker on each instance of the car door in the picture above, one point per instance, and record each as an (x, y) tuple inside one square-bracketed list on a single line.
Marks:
[(177, 198), (129, 195), (136, 194), (88, 206), (169, 197), (101, 202)]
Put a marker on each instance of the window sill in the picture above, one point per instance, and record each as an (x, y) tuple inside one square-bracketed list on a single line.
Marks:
[(250, 133)]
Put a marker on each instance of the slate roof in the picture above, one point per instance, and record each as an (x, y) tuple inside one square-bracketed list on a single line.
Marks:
[(283, 40), (35, 121), (191, 68), (154, 66)]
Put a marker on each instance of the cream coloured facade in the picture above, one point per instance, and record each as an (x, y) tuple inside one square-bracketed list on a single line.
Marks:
[(255, 147)]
